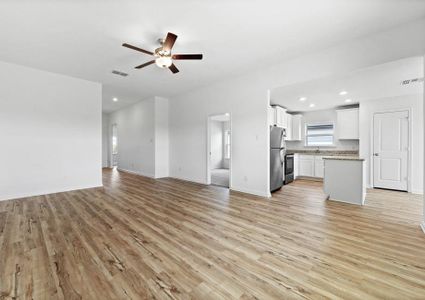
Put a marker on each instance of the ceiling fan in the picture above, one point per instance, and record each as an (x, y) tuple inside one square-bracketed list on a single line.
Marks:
[(164, 58)]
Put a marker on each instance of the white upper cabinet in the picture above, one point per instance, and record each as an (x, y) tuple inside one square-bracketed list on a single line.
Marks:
[(292, 123), (281, 116), (348, 124), (296, 127), (271, 116), (288, 127)]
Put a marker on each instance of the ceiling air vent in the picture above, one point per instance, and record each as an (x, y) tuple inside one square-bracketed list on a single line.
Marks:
[(410, 81), (119, 73)]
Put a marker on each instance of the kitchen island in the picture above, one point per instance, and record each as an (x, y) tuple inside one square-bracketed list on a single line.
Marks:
[(344, 179)]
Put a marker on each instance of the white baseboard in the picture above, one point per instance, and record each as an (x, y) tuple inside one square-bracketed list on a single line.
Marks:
[(252, 192), (48, 192), (236, 189), (188, 179), (419, 192), (423, 226), (137, 172)]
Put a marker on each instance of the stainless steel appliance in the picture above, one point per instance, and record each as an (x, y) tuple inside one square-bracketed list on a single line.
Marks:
[(289, 168), (277, 157)]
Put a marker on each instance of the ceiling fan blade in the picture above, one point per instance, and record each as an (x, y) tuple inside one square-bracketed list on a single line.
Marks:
[(187, 56), (173, 68), (169, 42), (137, 48), (145, 64)]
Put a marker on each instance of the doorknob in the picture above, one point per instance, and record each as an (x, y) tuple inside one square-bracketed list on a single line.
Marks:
[(376, 154)]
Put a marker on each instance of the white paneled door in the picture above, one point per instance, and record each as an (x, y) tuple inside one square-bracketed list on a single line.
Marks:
[(391, 150)]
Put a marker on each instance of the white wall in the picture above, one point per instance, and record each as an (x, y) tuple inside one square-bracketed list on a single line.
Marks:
[(143, 142), (246, 98), (188, 128), (51, 132), (162, 156), (415, 104), (216, 144), (136, 132), (318, 116), (105, 141)]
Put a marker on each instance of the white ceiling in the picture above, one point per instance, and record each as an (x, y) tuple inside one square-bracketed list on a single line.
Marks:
[(376, 82), (83, 38)]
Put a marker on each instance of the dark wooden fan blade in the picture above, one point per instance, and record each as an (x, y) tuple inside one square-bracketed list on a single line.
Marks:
[(137, 48), (173, 68), (169, 42), (187, 56), (145, 64)]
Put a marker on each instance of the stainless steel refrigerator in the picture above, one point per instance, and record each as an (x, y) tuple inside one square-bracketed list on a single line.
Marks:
[(277, 157)]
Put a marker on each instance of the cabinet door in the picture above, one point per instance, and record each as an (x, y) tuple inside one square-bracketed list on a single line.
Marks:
[(296, 127), (318, 167), (284, 119), (348, 124), (289, 127), (296, 165), (306, 166), (280, 116)]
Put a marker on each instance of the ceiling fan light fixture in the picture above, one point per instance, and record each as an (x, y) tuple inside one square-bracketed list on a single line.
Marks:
[(164, 61), (162, 56)]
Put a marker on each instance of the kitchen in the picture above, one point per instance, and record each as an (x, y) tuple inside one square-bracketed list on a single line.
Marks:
[(328, 135), (338, 130)]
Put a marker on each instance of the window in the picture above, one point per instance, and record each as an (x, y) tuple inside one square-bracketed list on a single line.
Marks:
[(319, 134), (227, 144)]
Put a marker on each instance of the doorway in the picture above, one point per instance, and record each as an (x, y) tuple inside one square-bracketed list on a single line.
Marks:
[(219, 150), (391, 150), (114, 142)]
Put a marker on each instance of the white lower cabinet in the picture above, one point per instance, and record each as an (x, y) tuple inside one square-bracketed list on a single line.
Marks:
[(296, 165), (310, 166), (318, 166), (306, 165)]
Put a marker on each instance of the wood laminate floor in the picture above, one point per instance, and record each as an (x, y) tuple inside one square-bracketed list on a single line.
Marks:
[(139, 238)]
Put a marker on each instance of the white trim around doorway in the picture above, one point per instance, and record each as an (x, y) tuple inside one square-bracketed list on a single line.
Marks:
[(209, 119), (409, 154)]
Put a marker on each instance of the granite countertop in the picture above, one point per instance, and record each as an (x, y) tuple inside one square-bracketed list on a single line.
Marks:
[(343, 157), (351, 153)]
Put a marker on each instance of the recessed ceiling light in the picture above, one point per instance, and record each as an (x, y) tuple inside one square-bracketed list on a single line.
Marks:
[(312, 105), (303, 98), (348, 100), (115, 99), (342, 93)]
